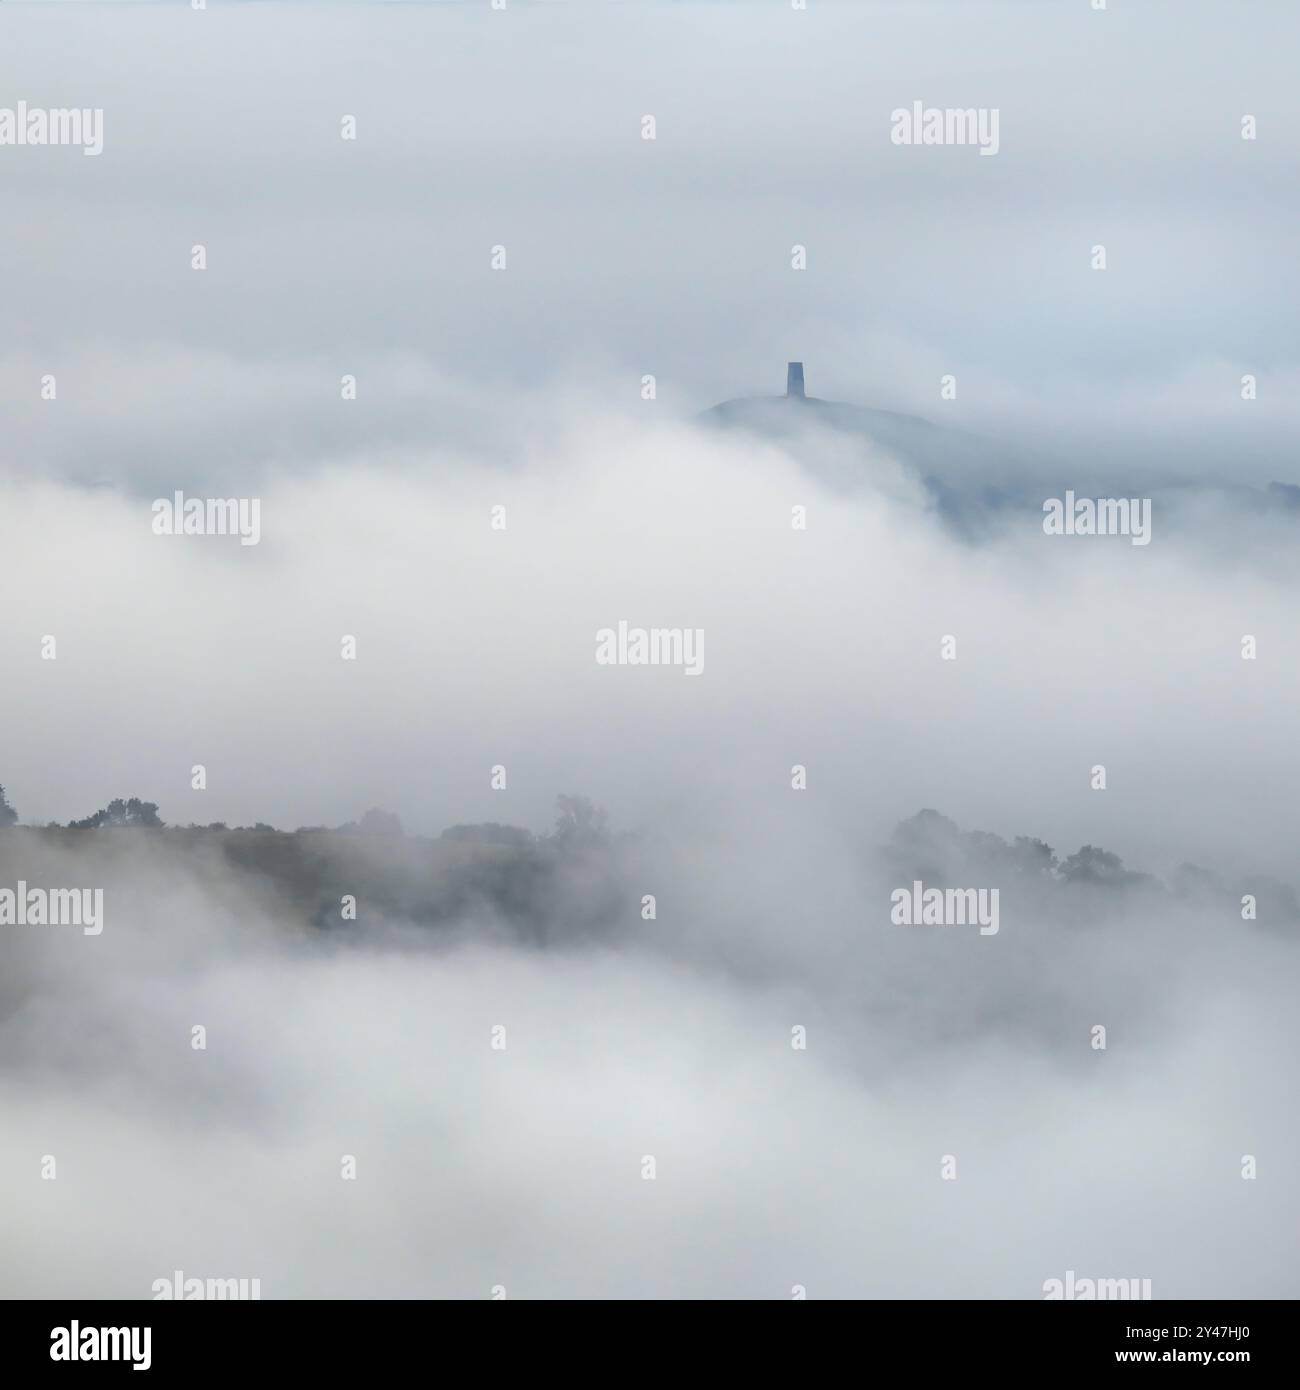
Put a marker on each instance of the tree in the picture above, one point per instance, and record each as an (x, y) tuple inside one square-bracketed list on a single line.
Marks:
[(578, 822), (377, 822), (7, 813), (121, 813), (374, 822), (1099, 866), (1033, 856), (488, 833)]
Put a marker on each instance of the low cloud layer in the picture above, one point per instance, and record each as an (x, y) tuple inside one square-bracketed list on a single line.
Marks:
[(476, 648), (522, 1165)]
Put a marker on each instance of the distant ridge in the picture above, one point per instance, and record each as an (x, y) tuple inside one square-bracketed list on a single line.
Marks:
[(971, 480), (963, 474), (909, 437)]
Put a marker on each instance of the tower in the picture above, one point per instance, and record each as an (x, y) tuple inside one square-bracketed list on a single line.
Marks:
[(794, 381)]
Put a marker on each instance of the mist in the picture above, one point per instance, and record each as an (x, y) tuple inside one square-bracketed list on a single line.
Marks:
[(452, 1089)]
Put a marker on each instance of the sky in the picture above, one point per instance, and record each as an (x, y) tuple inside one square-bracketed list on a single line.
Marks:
[(523, 389)]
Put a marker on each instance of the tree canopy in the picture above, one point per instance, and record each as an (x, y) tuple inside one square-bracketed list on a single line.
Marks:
[(121, 813)]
